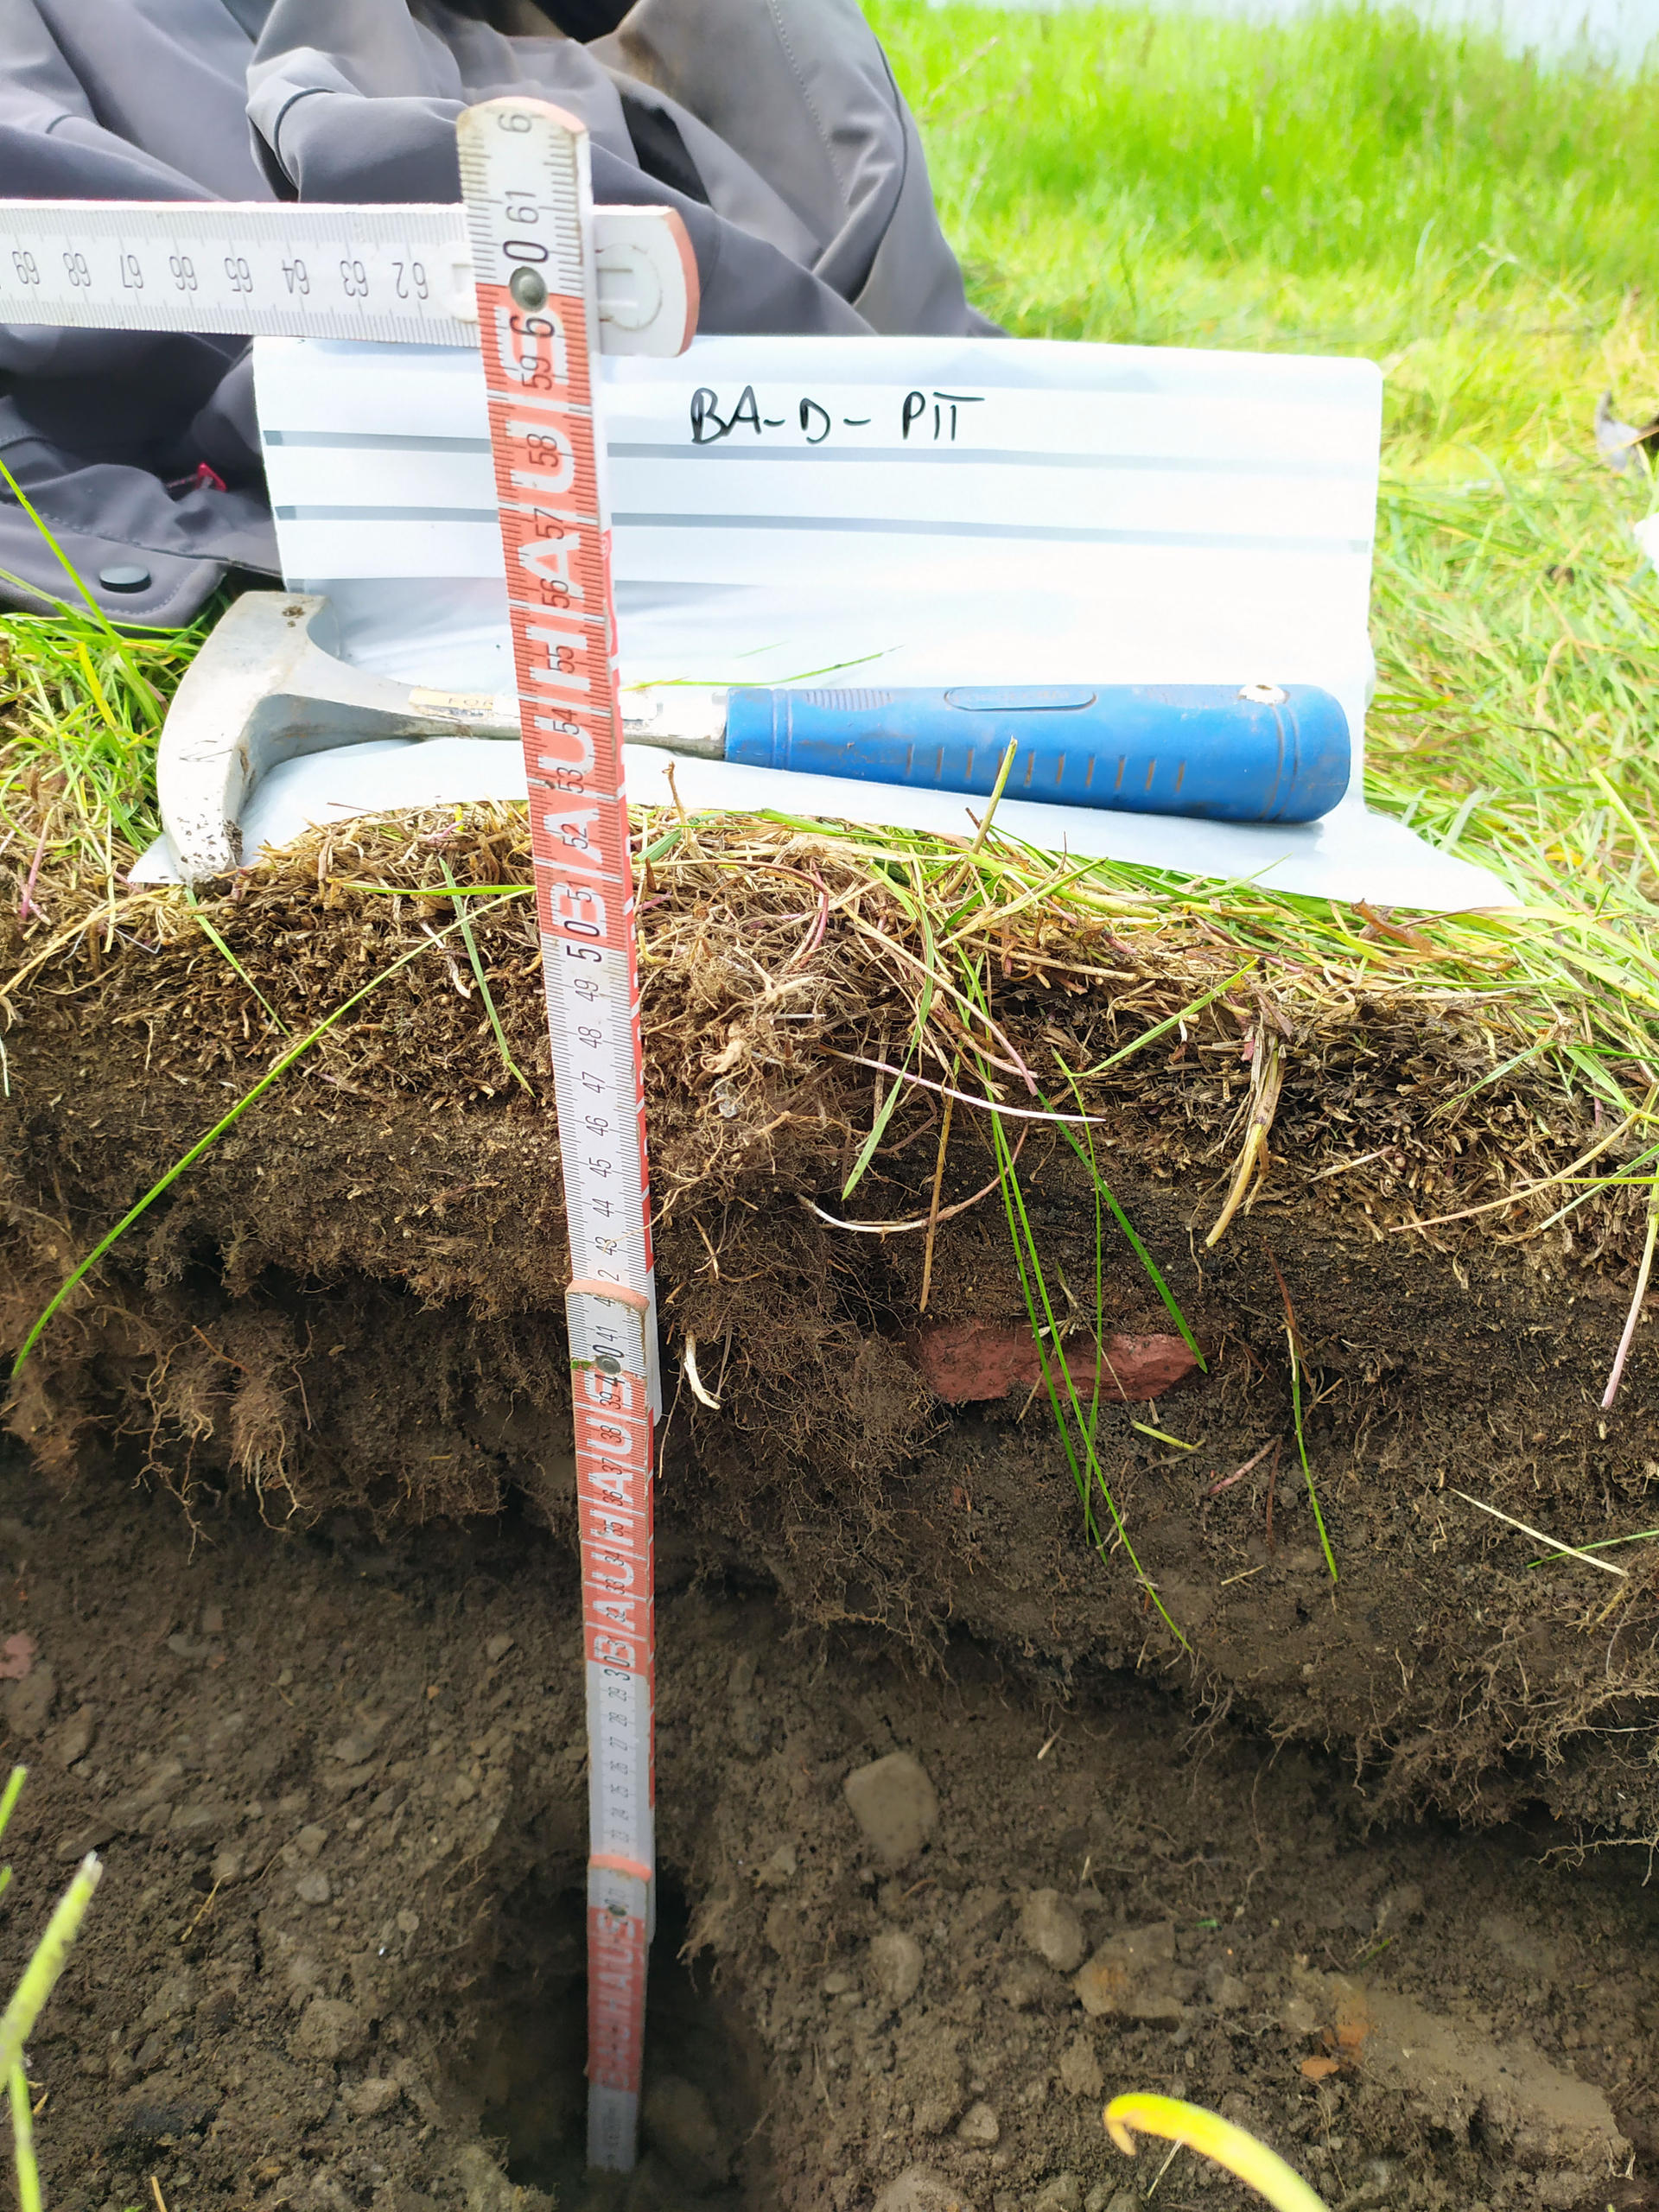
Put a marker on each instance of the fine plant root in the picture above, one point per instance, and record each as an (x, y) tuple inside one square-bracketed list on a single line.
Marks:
[(1267, 1079)]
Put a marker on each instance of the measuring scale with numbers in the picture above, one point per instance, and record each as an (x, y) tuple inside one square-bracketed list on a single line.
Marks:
[(525, 176), (519, 273)]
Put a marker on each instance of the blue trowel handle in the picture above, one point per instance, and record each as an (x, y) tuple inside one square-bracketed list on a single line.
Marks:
[(1214, 751)]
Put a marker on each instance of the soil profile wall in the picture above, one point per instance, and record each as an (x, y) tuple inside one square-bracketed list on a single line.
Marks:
[(354, 1300)]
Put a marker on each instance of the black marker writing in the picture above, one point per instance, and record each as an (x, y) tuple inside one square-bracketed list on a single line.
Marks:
[(953, 400), (705, 410), (703, 413), (815, 421)]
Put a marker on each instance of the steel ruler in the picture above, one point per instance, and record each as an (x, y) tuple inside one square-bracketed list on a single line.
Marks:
[(528, 273)]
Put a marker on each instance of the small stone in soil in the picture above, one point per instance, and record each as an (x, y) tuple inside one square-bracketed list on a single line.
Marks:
[(1049, 1926), (28, 1703), (498, 1648), (777, 1869), (226, 1867), (895, 1805), (313, 1889), (1080, 2069), (329, 2028), (895, 1966), (979, 2127), (310, 1841), (371, 2098), (74, 1738), (919, 2188), (1060, 2193)]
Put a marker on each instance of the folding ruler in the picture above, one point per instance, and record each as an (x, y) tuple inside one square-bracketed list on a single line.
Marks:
[(530, 272)]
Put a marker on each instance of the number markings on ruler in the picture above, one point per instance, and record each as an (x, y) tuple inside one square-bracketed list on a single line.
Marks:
[(525, 177), (444, 276), (239, 268)]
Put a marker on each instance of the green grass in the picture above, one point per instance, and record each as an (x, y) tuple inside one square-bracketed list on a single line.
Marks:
[(80, 710), (1353, 182), (1348, 182)]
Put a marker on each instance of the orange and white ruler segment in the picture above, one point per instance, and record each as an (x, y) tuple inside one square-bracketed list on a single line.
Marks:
[(518, 273), (525, 182)]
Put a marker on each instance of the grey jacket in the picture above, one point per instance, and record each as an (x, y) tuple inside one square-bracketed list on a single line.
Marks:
[(773, 126)]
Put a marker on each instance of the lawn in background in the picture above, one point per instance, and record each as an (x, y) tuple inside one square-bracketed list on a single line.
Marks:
[(1488, 231), (1347, 182)]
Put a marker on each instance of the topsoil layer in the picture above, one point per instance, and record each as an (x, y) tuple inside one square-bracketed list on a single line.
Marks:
[(353, 1300)]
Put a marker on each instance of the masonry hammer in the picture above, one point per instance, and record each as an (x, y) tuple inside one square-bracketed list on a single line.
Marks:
[(269, 684)]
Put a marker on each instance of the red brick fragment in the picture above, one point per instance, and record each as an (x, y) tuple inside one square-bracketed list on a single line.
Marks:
[(965, 1360)]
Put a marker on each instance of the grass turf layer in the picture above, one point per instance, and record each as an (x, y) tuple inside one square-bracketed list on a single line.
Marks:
[(355, 1299)]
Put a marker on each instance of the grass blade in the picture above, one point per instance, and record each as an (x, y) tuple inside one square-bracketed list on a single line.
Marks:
[(464, 923), (205, 1144), (1088, 1476), (1294, 1347), (13, 1790), (23, 2142), (1104, 1191), (218, 941), (50, 1956)]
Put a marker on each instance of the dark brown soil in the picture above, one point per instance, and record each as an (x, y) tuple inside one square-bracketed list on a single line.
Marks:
[(338, 1786), (353, 1300)]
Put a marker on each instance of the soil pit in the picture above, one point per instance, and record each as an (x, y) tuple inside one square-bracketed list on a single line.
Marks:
[(338, 1786)]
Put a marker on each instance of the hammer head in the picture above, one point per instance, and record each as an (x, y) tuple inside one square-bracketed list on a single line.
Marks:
[(267, 686)]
